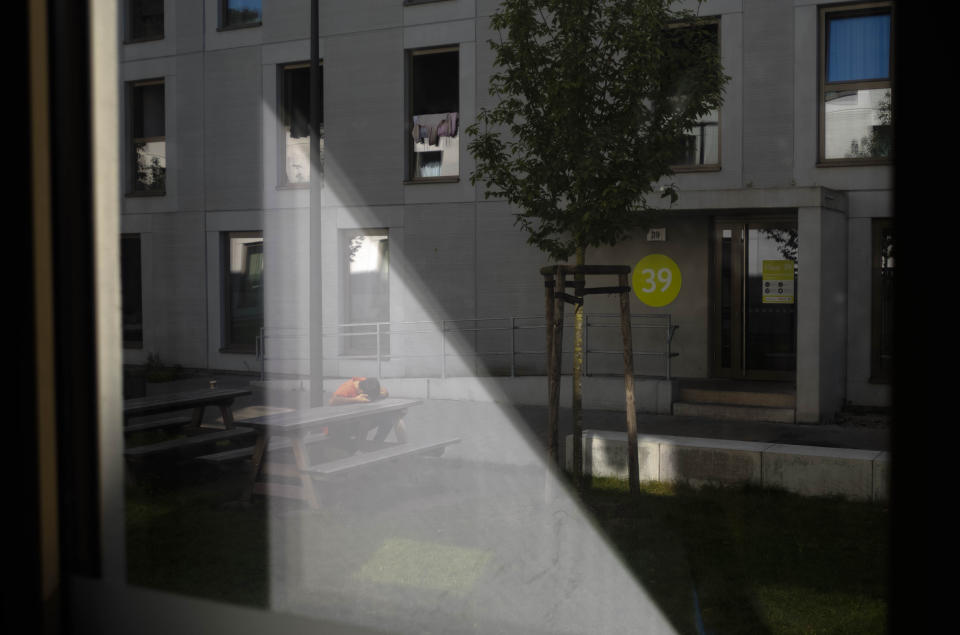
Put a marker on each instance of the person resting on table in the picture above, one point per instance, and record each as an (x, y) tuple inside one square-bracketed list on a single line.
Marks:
[(365, 390)]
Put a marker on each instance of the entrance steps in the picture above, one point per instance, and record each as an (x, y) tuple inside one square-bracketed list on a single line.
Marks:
[(736, 400)]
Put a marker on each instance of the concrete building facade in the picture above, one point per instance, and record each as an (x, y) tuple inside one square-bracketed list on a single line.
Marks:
[(223, 221)]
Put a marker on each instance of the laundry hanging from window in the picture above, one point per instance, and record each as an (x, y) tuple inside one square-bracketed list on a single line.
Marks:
[(429, 129)]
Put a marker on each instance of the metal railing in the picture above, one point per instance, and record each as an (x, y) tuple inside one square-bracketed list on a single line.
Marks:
[(509, 346)]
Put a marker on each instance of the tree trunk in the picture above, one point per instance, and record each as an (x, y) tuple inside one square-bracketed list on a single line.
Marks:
[(578, 354)]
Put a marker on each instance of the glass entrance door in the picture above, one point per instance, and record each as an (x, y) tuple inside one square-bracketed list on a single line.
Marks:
[(755, 307)]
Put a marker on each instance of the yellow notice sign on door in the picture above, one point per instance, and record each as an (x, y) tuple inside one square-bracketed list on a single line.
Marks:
[(778, 287)]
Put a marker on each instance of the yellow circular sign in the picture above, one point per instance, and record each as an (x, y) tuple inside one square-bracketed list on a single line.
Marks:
[(657, 280)]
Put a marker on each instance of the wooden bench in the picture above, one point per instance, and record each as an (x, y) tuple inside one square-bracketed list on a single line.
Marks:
[(347, 428)]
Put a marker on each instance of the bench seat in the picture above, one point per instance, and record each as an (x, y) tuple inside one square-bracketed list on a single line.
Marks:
[(363, 459), (198, 440)]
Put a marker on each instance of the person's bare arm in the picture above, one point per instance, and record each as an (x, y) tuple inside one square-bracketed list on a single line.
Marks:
[(337, 400)]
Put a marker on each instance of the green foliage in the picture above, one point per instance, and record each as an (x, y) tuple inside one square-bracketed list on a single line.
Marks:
[(593, 100)]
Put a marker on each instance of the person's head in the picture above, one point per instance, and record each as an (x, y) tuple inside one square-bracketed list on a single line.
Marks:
[(370, 386)]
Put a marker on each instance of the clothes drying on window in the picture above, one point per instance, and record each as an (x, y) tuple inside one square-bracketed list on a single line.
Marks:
[(430, 128)]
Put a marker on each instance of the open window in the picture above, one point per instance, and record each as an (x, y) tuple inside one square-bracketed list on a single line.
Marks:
[(434, 113), (294, 100)]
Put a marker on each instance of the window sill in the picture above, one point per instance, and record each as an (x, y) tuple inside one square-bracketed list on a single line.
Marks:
[(847, 163), (682, 169), (145, 194), (294, 186), (155, 38), (433, 179), (237, 27), (237, 350)]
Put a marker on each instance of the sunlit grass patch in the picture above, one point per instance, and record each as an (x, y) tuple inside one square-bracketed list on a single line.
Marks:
[(425, 565)]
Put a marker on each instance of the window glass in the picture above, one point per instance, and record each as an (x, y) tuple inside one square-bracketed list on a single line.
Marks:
[(144, 20), (883, 288), (435, 106), (858, 123), (242, 13), (149, 146), (243, 289), (131, 291)]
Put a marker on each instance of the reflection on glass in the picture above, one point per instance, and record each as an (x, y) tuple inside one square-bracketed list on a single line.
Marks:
[(770, 328), (883, 305), (701, 143), (858, 124), (242, 12), (367, 290), (726, 299), (244, 289), (149, 137)]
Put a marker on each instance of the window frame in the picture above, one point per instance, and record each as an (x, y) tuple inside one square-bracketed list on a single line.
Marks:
[(411, 158), (222, 6), (128, 24), (131, 160), (227, 342), (282, 180), (844, 11)]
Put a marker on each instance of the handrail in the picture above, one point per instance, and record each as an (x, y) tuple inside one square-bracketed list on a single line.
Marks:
[(347, 336)]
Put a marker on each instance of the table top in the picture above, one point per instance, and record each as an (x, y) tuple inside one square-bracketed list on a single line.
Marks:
[(180, 400), (328, 415)]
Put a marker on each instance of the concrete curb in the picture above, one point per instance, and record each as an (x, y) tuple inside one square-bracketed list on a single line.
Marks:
[(806, 470)]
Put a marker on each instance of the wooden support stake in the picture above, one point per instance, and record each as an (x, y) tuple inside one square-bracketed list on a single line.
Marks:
[(551, 423), (556, 366), (633, 466)]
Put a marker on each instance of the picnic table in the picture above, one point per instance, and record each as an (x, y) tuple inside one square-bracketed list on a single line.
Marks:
[(195, 403), (358, 432)]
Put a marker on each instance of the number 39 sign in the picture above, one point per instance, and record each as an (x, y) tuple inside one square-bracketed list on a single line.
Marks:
[(656, 280)]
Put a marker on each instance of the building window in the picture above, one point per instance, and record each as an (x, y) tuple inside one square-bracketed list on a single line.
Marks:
[(294, 92), (366, 285), (434, 113), (144, 20), (240, 13), (242, 266), (148, 144), (882, 301), (856, 89), (131, 290), (701, 144)]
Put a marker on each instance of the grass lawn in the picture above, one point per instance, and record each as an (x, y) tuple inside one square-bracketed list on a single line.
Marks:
[(732, 559)]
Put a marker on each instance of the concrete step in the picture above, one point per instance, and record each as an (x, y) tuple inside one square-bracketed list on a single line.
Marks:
[(765, 399), (734, 412)]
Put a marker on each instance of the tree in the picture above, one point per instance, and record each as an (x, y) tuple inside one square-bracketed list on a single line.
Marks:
[(594, 99)]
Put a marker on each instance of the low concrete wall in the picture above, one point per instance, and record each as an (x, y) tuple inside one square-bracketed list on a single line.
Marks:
[(654, 396), (807, 470)]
